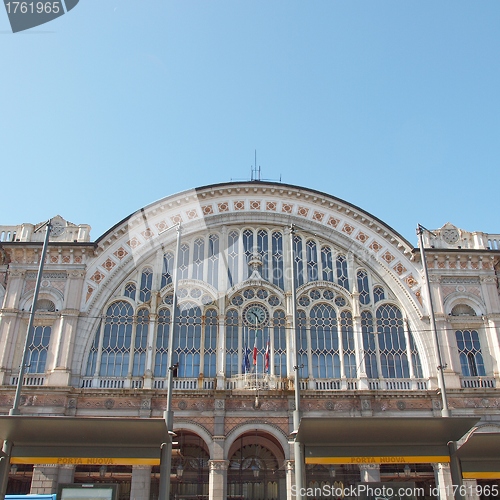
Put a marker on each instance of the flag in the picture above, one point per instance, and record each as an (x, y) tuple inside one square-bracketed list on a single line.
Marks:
[(255, 350), (266, 357), (246, 360)]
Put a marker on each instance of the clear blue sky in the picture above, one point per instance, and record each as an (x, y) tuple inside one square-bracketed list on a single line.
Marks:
[(391, 105)]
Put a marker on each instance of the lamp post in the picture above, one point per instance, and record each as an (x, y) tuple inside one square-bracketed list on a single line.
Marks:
[(445, 412), (7, 445), (168, 415), (297, 448)]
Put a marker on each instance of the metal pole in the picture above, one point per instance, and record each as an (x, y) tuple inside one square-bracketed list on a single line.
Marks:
[(15, 406), (445, 412), (169, 413), (7, 445), (297, 447)]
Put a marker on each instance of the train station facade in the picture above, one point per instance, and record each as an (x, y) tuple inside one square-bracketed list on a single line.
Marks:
[(363, 345)]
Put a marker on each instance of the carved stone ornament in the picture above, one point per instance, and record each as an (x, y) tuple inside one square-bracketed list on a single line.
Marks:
[(218, 465)]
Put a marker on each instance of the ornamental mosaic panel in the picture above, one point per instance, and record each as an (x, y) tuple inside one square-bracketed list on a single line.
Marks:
[(192, 214), (388, 257), (90, 291), (399, 268), (411, 281), (271, 206), (66, 259), (108, 264), (318, 216), (176, 219), (375, 246), (97, 277), (286, 208), (207, 209), (120, 253), (161, 226), (147, 234), (133, 243), (303, 211), (254, 205), (348, 229), (77, 259), (223, 207), (239, 205), (332, 221), (362, 237)]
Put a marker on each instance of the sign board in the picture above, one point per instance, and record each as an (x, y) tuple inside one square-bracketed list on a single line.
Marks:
[(87, 491)]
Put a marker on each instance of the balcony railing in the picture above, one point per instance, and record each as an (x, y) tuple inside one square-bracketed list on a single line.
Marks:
[(33, 380), (478, 382), (263, 382), (397, 384)]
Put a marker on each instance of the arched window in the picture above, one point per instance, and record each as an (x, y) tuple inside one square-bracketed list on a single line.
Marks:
[(146, 284), (130, 290), (302, 344), (247, 252), (210, 343), (469, 350), (37, 349), (392, 343), (363, 289), (184, 262), (162, 334), (324, 342), (168, 269), (198, 257), (279, 343), (278, 259), (378, 293), (297, 257), (342, 275), (369, 345), (213, 260), (312, 261), (232, 257), (116, 340), (327, 263), (140, 343), (263, 252), (187, 341), (348, 346), (232, 343)]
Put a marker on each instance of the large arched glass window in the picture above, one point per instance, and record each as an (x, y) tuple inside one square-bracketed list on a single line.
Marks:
[(342, 275), (232, 257), (247, 252), (278, 259), (232, 343), (369, 345), (392, 343), (469, 350), (146, 284), (327, 263), (297, 257), (302, 344), (263, 251), (213, 260), (37, 349), (210, 343), (117, 338), (324, 342), (363, 288), (183, 271), (312, 261), (279, 343), (140, 343), (162, 334), (198, 258), (348, 346), (168, 269), (187, 340)]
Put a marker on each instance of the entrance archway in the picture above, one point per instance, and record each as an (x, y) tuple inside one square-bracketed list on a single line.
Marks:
[(255, 468)]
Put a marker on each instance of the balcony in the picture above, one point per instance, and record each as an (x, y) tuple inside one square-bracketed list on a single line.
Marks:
[(477, 382)]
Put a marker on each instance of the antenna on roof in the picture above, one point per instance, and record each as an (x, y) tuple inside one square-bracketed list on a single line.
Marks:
[(255, 170)]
